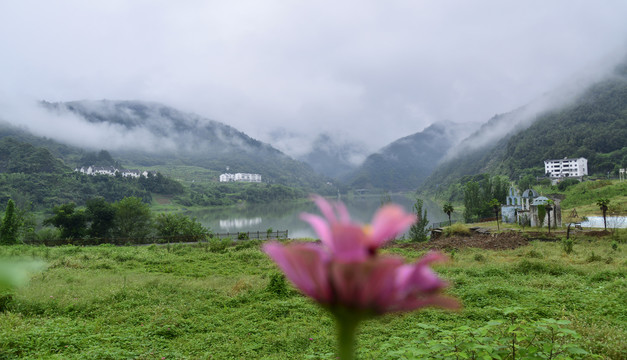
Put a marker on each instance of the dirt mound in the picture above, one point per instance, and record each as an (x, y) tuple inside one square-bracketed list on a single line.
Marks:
[(502, 241)]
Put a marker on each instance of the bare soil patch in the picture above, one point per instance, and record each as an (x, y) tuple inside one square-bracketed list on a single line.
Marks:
[(501, 241)]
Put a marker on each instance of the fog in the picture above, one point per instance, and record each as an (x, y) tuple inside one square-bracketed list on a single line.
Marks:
[(369, 72)]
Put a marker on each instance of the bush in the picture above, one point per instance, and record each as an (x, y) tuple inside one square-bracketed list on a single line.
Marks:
[(277, 285), (567, 245), (456, 229), (566, 183), (219, 245)]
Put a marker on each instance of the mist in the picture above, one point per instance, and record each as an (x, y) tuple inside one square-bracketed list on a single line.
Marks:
[(366, 71)]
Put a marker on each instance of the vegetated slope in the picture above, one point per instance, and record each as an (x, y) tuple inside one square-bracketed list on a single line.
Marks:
[(20, 157), (406, 163), (33, 177), (166, 136), (594, 126)]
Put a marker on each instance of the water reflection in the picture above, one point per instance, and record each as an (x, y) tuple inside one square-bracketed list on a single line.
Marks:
[(238, 223), (613, 222), (285, 215)]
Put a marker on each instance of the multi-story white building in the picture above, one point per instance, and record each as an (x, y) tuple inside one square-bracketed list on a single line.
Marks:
[(240, 177), (566, 167)]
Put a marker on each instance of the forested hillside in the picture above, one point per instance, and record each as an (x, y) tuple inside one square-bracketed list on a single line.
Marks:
[(594, 126), (166, 136), (406, 163), (34, 178)]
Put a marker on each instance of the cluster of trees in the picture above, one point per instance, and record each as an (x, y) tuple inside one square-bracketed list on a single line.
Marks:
[(481, 192), (217, 194), (129, 218)]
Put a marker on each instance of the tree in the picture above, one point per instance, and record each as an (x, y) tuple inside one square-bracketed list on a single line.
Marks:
[(496, 206), (548, 207), (101, 215), (171, 225), (133, 218), (418, 232), (68, 219), (472, 201), (448, 209), (603, 205), (526, 182), (10, 225)]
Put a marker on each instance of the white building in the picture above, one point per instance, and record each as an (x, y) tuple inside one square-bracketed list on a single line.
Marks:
[(566, 167), (111, 171), (240, 177)]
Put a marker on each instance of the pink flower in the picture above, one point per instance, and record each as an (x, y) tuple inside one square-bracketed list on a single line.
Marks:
[(345, 270)]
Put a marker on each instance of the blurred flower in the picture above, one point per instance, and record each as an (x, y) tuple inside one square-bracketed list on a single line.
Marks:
[(345, 274)]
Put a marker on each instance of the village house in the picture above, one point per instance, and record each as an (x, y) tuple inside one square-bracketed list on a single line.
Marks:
[(566, 168), (112, 171), (529, 207), (243, 177)]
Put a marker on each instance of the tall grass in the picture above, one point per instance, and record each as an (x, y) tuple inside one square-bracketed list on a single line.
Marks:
[(189, 302)]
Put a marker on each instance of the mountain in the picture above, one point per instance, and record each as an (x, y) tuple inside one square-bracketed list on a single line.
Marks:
[(333, 157), (591, 125), (405, 163), (149, 134), (19, 157)]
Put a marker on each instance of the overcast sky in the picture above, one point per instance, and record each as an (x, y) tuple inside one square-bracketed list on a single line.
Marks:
[(372, 70)]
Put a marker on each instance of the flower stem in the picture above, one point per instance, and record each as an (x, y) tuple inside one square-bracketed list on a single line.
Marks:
[(347, 323)]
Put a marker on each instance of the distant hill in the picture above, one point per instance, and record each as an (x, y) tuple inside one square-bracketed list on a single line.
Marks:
[(20, 157), (592, 125), (333, 157), (406, 163), (34, 178), (149, 134)]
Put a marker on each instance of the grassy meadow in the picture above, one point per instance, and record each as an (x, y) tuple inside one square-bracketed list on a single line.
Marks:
[(203, 301)]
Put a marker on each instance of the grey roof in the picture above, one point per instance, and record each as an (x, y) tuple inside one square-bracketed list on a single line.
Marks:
[(530, 193)]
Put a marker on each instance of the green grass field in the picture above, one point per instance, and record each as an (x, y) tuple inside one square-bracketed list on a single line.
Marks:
[(201, 302)]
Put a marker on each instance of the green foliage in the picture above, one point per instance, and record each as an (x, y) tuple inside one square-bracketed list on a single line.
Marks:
[(448, 209), (133, 219), (541, 213), (187, 302), (526, 182), (419, 231), (219, 245), (597, 127), (566, 183), (498, 339), (69, 220), (457, 229), (567, 245), (101, 215), (242, 236), (479, 193), (10, 226), (277, 285), (179, 225)]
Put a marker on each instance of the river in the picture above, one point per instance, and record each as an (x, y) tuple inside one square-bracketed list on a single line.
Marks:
[(285, 215)]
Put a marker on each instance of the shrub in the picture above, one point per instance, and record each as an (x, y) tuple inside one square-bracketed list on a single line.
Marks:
[(456, 229), (277, 285), (567, 245), (219, 245), (242, 236), (479, 257), (566, 183), (594, 257)]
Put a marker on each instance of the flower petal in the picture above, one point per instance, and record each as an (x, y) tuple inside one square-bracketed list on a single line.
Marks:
[(321, 227), (365, 285), (389, 221), (305, 265)]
